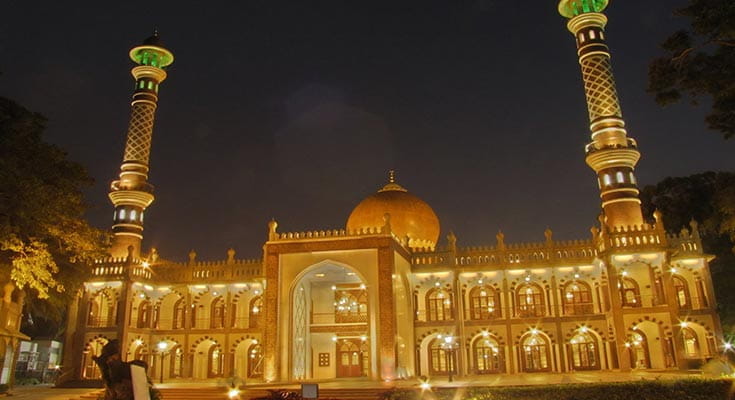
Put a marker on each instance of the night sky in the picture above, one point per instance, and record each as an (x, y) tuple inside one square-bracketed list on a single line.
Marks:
[(297, 109)]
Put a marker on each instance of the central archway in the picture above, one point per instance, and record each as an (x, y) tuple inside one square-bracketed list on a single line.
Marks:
[(330, 323)]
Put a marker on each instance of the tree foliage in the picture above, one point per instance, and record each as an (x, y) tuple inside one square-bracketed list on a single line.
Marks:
[(700, 62), (45, 243), (708, 198)]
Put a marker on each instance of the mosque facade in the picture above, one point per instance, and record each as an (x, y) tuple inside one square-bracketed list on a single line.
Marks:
[(383, 299)]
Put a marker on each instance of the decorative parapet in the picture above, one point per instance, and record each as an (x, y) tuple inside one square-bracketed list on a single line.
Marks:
[(510, 255), (119, 268), (222, 270), (633, 238), (113, 269), (330, 233), (686, 243)]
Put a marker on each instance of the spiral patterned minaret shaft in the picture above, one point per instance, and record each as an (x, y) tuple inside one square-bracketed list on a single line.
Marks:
[(132, 194), (611, 154)]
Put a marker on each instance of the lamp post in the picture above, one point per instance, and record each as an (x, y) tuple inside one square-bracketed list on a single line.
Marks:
[(162, 346), (450, 345)]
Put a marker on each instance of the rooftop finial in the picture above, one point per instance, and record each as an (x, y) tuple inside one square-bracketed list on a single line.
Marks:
[(392, 176), (155, 30)]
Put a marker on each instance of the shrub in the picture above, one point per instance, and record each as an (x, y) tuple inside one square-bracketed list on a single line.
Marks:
[(686, 389), (4, 388)]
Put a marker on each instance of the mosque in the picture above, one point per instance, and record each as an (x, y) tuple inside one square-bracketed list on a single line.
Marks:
[(383, 298)]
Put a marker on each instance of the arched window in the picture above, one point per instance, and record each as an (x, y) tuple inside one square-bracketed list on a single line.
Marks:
[(584, 352), (487, 356), (484, 303), (535, 351), (691, 345), (619, 177), (144, 314), (441, 359), (179, 314), (218, 313), (606, 181), (530, 301), (256, 310), (438, 305), (638, 346), (90, 369), (350, 305), (177, 362), (216, 362), (577, 299), (255, 361), (193, 316), (631, 295), (101, 310), (681, 289)]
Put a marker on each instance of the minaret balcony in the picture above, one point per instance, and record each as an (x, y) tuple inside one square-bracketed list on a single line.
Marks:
[(119, 185)]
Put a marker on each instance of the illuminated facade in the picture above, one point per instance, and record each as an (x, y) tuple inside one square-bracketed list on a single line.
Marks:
[(383, 299)]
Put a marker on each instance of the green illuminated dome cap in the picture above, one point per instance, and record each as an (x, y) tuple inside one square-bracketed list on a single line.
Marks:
[(572, 8), (152, 53)]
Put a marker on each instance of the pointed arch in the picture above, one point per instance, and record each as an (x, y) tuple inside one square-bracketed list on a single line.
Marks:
[(217, 313), (535, 351), (530, 302), (577, 298), (439, 305), (484, 303), (487, 355)]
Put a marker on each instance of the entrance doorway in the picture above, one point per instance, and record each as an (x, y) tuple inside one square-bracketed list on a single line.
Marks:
[(349, 359)]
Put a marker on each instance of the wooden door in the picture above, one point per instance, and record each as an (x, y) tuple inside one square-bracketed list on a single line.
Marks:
[(349, 359)]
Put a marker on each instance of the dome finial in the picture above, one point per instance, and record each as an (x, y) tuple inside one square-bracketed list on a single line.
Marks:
[(392, 176)]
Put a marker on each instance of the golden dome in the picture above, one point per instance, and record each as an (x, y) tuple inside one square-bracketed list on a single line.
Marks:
[(409, 216)]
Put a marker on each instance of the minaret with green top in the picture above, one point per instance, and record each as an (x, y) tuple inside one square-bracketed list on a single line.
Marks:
[(611, 154), (132, 194)]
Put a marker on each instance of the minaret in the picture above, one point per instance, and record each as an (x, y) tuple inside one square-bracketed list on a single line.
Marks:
[(132, 193), (611, 153)]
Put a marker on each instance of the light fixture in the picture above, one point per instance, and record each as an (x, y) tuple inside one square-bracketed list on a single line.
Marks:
[(145, 264), (233, 393), (162, 345)]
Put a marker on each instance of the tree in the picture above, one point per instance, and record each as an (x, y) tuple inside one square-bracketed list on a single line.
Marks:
[(700, 62), (708, 198), (46, 246)]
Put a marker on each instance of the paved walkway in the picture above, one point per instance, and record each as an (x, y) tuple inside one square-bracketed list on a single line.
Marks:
[(42, 392)]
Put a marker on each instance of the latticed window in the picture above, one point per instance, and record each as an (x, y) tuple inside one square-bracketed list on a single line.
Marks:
[(218, 313), (256, 312), (440, 358), (584, 351), (681, 290), (484, 303), (487, 356), (350, 305), (216, 362), (179, 314), (535, 353), (631, 295), (691, 345), (577, 299), (255, 361), (438, 305), (530, 301), (144, 315)]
